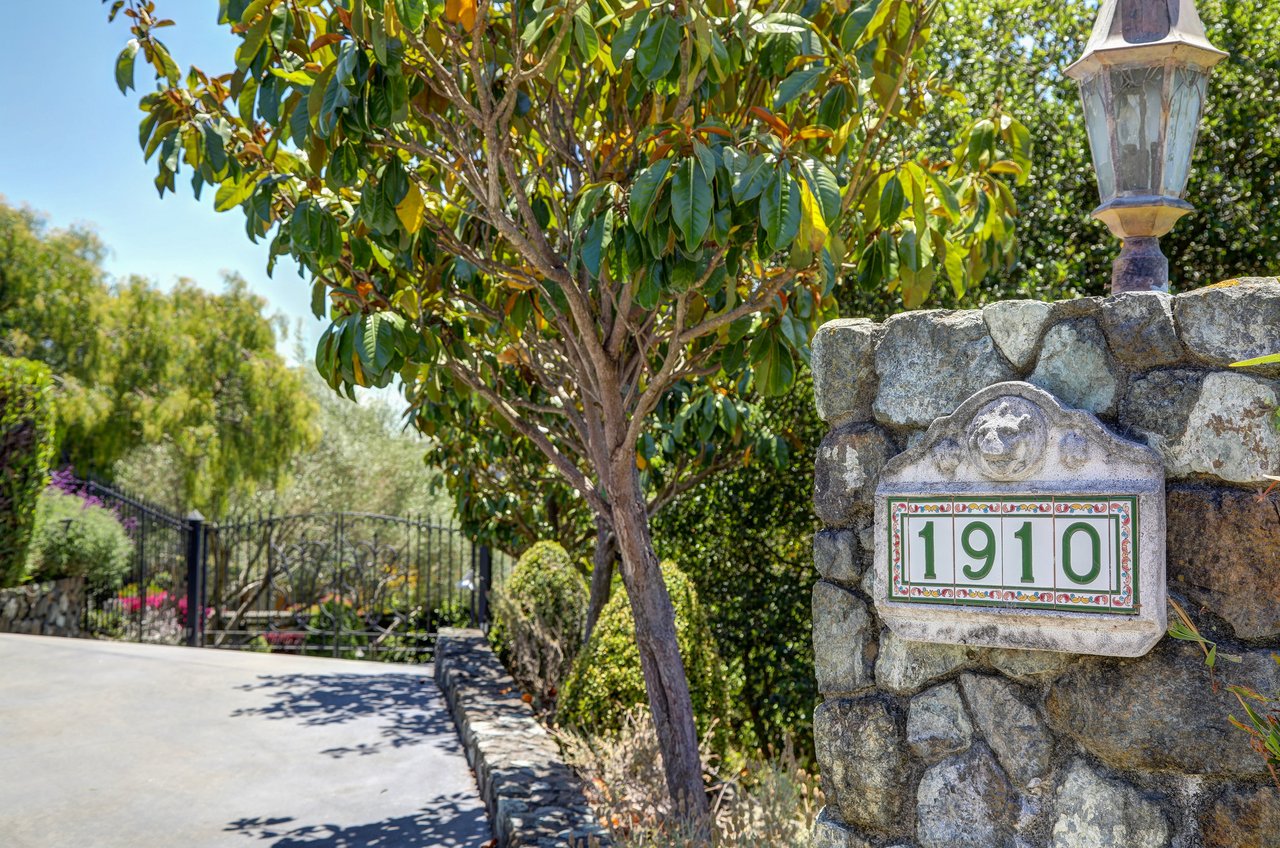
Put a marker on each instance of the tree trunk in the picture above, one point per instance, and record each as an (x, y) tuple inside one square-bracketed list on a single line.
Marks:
[(664, 672), (601, 575)]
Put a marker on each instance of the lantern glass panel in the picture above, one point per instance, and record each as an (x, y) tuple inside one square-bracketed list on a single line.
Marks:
[(1138, 94), (1095, 117), (1186, 101)]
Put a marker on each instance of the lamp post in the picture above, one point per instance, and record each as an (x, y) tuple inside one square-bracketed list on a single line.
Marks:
[(1142, 80)]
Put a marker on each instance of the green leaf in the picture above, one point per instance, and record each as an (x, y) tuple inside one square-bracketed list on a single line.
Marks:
[(319, 299), (780, 210), (981, 140), (215, 150), (645, 189), (658, 48), (599, 237), (691, 201), (587, 39), (626, 37), (232, 193), (411, 13), (253, 41), (855, 24), (751, 179), (800, 82), (124, 66), (892, 201)]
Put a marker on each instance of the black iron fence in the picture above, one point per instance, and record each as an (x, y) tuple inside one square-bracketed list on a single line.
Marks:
[(349, 585), (151, 603)]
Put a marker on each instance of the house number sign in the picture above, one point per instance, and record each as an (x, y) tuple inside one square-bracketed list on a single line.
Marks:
[(1075, 554), (1016, 522)]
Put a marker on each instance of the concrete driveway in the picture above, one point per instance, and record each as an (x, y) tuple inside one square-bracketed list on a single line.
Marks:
[(106, 744)]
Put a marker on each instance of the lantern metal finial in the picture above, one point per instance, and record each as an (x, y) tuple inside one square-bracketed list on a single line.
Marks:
[(1143, 79)]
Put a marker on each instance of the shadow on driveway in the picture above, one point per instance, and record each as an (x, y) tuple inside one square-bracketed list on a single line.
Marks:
[(407, 709), (449, 822)]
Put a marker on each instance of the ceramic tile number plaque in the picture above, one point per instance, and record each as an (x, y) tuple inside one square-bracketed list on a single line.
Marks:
[(1018, 523)]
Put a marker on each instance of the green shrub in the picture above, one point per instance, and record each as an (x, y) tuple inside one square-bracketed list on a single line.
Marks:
[(606, 681), (538, 618), (26, 449), (77, 539)]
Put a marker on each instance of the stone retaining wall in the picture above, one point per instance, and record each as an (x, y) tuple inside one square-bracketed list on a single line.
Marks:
[(937, 746), (44, 609), (533, 798)]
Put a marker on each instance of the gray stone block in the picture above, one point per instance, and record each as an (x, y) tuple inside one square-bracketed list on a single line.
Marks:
[(844, 375), (905, 667), (929, 362), (836, 556), (842, 641), (1243, 817), (1229, 324), (966, 802), (1224, 554), (1076, 366), (849, 463), (1160, 712), (938, 724), (861, 750), (1140, 329), (1030, 666), (1016, 327), (1230, 430), (1014, 731), (1158, 405), (830, 832), (1100, 813)]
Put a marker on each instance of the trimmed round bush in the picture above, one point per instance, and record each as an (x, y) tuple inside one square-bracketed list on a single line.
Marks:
[(606, 681), (73, 538), (539, 614), (26, 449)]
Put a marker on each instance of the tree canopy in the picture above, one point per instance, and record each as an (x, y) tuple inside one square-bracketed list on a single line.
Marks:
[(595, 218), (194, 372)]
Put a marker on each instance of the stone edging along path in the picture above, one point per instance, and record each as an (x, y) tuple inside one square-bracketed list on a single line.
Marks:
[(533, 798)]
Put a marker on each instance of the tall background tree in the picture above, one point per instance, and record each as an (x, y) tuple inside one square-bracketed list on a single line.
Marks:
[(572, 211), (193, 373)]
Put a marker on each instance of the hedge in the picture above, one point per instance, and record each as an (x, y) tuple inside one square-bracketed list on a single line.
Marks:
[(607, 683), (538, 618), (26, 450)]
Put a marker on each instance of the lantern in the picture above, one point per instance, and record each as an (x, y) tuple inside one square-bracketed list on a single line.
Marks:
[(1142, 81)]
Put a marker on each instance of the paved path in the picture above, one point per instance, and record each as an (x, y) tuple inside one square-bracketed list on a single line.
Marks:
[(104, 744)]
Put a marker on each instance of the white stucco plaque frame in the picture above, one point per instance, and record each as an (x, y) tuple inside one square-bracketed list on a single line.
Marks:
[(1013, 454)]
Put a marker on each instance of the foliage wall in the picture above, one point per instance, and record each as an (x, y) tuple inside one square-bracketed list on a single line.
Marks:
[(26, 447), (1015, 50)]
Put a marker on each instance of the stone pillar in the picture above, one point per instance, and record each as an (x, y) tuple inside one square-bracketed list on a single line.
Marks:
[(946, 746)]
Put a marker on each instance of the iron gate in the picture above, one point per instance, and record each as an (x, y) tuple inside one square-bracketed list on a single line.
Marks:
[(349, 585), (353, 585)]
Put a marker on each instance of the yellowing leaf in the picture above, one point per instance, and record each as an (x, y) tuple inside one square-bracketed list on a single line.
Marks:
[(410, 210), (462, 12), (813, 229)]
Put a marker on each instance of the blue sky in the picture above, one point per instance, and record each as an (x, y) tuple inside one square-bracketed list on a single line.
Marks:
[(69, 148)]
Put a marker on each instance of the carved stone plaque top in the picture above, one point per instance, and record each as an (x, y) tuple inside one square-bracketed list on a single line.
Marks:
[(1018, 523)]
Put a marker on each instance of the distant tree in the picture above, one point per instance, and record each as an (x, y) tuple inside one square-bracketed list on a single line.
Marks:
[(591, 218), (194, 373), (365, 461)]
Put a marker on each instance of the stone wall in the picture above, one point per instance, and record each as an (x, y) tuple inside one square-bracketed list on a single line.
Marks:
[(533, 798), (937, 746), (44, 609)]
